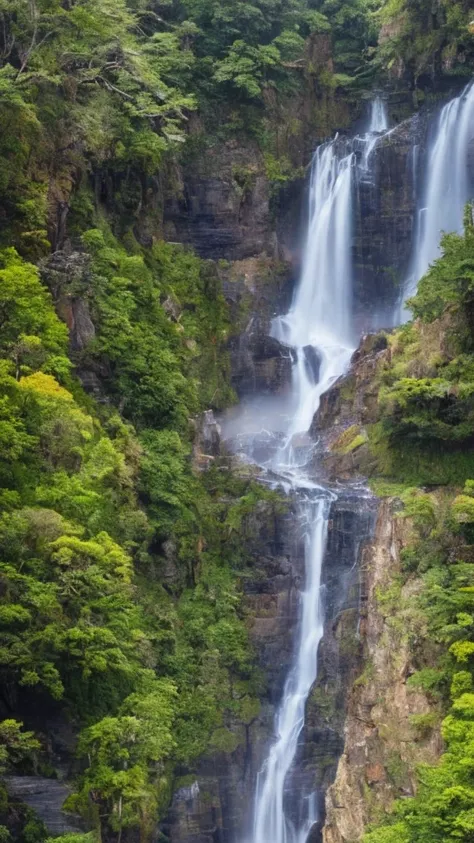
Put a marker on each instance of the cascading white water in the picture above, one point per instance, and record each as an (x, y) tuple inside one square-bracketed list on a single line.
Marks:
[(378, 116), (320, 317), (446, 188), (318, 328), (377, 127), (320, 333), (271, 825)]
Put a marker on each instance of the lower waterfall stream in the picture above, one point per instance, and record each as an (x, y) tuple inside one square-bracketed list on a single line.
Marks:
[(319, 332)]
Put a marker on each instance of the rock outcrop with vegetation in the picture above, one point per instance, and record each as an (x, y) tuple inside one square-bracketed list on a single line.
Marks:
[(402, 417)]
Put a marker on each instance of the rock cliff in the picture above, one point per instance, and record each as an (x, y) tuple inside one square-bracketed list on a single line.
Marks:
[(381, 748)]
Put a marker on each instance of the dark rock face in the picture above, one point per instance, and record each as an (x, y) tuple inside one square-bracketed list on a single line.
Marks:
[(263, 365), (385, 214), (256, 289), (65, 272), (222, 207)]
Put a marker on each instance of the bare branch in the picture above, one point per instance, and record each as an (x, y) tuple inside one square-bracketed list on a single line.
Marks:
[(111, 87)]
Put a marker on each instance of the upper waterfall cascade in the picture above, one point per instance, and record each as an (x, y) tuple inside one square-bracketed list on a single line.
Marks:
[(378, 126), (319, 330), (446, 187), (378, 116)]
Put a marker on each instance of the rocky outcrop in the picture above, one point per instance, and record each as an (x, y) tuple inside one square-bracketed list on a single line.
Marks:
[(347, 408), (382, 745), (207, 440), (67, 274), (257, 289)]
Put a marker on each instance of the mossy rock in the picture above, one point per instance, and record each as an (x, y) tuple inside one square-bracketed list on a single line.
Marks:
[(225, 740), (348, 442)]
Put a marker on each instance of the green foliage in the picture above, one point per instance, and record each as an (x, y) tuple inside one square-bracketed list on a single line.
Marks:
[(90, 511), (430, 40), (91, 71), (351, 439), (126, 754), (421, 508), (244, 51), (450, 280), (73, 838), (163, 362), (15, 745), (426, 391), (32, 335)]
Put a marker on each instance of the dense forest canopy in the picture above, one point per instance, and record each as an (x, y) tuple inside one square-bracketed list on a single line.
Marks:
[(98, 490)]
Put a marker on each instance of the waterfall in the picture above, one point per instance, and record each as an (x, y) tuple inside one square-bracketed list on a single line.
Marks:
[(271, 825), (319, 330), (378, 116), (378, 126), (320, 317), (446, 189)]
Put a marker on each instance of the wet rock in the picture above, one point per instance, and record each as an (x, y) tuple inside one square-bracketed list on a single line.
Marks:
[(313, 362), (207, 440), (263, 365), (385, 216), (256, 290), (345, 409), (46, 797), (210, 433)]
